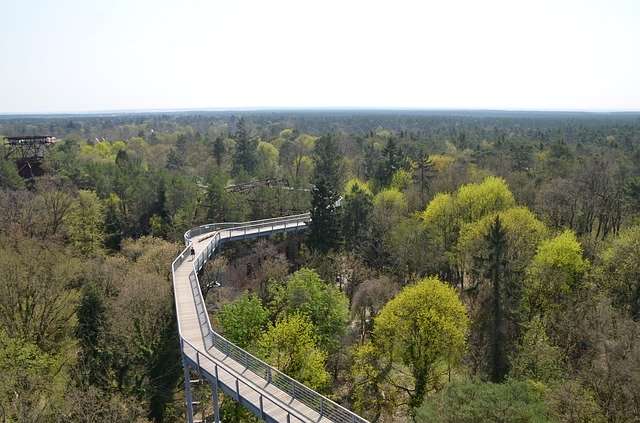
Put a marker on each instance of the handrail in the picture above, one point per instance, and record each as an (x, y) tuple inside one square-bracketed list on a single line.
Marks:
[(217, 234)]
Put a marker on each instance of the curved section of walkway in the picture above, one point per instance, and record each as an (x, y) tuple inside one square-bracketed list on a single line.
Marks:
[(265, 391)]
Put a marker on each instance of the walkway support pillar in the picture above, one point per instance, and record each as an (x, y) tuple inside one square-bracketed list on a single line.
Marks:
[(216, 408), (187, 389)]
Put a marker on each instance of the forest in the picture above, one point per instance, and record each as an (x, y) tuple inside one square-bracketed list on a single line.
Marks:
[(482, 266)]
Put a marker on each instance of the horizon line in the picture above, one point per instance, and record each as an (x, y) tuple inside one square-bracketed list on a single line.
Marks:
[(314, 108)]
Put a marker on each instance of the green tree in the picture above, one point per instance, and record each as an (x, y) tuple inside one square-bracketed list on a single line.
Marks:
[(474, 201), (295, 155), (424, 172), (473, 401), (356, 213), (93, 363), (31, 382), (328, 309), (266, 160), (324, 228), (9, 177), (219, 150), (389, 209), (425, 325), (244, 159), (621, 271), (496, 239), (291, 346), (244, 320), (374, 395), (392, 162), (442, 228), (327, 158), (476, 256), (37, 299), (85, 223), (555, 275), (535, 358), (410, 249)]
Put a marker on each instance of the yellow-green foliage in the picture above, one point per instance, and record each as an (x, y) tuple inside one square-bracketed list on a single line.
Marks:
[(267, 159), (440, 208), (424, 324), (286, 133), (441, 162), (474, 201), (446, 214), (524, 234), (439, 221), (401, 179), (292, 346), (555, 273), (351, 183), (392, 200), (471, 202)]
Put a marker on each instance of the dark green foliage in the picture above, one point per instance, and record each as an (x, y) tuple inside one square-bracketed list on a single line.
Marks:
[(219, 149), (356, 214), (164, 373), (392, 161), (496, 238), (93, 358), (9, 177), (473, 402), (244, 159), (327, 159), (324, 228)]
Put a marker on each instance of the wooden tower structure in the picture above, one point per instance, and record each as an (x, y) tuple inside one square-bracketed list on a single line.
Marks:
[(28, 152)]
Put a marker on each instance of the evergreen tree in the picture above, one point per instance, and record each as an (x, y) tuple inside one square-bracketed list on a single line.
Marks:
[(324, 228), (219, 149), (497, 240), (93, 360), (425, 172), (356, 215), (244, 158), (392, 161), (327, 158)]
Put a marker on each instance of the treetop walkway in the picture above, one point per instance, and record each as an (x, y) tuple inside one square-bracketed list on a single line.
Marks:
[(265, 391)]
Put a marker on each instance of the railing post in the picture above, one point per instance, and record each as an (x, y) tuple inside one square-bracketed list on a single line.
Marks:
[(261, 408), (268, 374)]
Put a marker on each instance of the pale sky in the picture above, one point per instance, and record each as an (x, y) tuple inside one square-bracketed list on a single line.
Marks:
[(86, 55)]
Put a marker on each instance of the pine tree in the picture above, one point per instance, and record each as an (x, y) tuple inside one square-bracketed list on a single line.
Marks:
[(324, 228), (244, 158), (497, 240), (93, 363), (219, 150), (392, 161)]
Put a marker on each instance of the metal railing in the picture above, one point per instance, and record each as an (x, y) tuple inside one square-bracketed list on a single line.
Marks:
[(216, 235)]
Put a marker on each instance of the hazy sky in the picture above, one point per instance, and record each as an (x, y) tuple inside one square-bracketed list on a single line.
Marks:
[(85, 55)]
